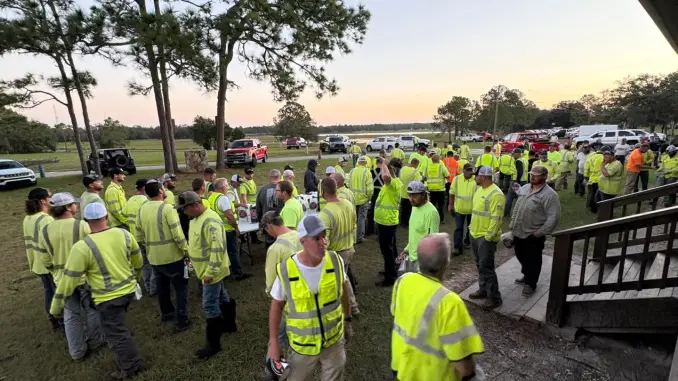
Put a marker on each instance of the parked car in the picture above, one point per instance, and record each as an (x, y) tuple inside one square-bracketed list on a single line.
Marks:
[(386, 143), (610, 137), (335, 143), (13, 173), (472, 138), (110, 158), (590, 129), (407, 141), (644, 134), (517, 140), (296, 143), (246, 151)]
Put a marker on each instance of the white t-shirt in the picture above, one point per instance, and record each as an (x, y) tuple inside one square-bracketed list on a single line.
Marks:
[(224, 204), (581, 161), (311, 275), (622, 149)]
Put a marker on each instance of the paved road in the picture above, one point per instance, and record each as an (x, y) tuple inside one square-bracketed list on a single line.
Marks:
[(212, 163)]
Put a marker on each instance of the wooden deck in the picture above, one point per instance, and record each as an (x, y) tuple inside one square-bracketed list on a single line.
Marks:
[(515, 304)]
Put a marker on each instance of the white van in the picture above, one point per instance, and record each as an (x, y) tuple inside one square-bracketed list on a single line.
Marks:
[(588, 130)]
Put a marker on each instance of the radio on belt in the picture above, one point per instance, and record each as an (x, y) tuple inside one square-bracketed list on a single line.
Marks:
[(310, 202), (248, 213)]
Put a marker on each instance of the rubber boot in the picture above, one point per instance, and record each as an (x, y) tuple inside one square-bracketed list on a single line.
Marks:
[(213, 337), (228, 312)]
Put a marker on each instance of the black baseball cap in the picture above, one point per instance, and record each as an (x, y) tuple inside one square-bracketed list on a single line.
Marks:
[(291, 168), (89, 179), (249, 171), (140, 183), (116, 171)]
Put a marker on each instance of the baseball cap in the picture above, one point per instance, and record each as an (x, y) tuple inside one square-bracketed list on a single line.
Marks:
[(329, 170), (415, 187), (140, 183), (672, 148), (236, 179), (543, 152), (362, 159), (168, 177), (485, 171), (62, 199), (94, 211), (311, 226), (605, 148), (288, 167), (468, 166), (249, 171), (89, 179), (342, 159), (607, 153), (187, 198), (517, 150), (286, 173), (116, 171)]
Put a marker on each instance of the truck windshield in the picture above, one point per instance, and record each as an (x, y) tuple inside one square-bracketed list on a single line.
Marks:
[(241, 144), (336, 139)]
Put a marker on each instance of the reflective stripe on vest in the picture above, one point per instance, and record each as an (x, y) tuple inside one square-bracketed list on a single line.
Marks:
[(506, 166), (487, 213), (50, 248), (419, 342), (465, 198), (108, 283), (206, 249), (333, 228), (437, 177)]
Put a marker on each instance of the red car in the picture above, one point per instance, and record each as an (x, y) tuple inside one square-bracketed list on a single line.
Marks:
[(517, 140), (246, 151)]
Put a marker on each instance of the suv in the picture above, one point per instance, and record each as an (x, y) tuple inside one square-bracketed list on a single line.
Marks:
[(14, 173), (110, 158), (335, 143), (386, 143), (609, 137), (407, 142), (296, 143)]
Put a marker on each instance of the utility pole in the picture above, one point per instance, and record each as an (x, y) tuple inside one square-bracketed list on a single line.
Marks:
[(496, 114)]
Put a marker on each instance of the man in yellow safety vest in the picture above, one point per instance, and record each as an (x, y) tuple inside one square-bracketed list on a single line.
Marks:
[(110, 261), (225, 209), (398, 153), (342, 191), (487, 159), (465, 152), (386, 216), (93, 185), (115, 199), (361, 183), (550, 166), (592, 175), (433, 337), (488, 212), (436, 176), (420, 155), (507, 171), (81, 320), (407, 175), (130, 211), (669, 166), (314, 333), (460, 205), (424, 220), (159, 229), (169, 184), (611, 172), (341, 163), (355, 152)]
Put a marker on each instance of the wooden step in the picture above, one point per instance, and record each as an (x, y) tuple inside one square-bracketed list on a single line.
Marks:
[(631, 275), (593, 279), (625, 266), (655, 272)]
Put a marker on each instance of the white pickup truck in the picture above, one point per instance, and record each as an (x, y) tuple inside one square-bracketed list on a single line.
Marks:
[(407, 141)]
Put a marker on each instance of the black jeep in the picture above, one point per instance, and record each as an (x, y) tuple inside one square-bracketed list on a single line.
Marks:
[(111, 158)]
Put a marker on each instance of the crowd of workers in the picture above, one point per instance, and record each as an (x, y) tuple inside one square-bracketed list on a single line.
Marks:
[(89, 267)]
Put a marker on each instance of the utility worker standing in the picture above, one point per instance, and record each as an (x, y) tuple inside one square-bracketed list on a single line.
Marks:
[(487, 159), (224, 207), (158, 228), (519, 179), (433, 336), (340, 219), (248, 188), (387, 217), (496, 149), (461, 163), (407, 175), (452, 167), (355, 152), (342, 191), (314, 333), (115, 198), (208, 256), (321, 200), (198, 186), (436, 176), (488, 212), (233, 192), (436, 149), (461, 205), (398, 153), (169, 183), (378, 183), (361, 183), (208, 175), (550, 166), (93, 185), (669, 167), (420, 155), (341, 163), (130, 211), (37, 217), (465, 152), (292, 212), (424, 220), (553, 154), (611, 172), (565, 167), (81, 320), (288, 175), (507, 171), (110, 261), (592, 175)]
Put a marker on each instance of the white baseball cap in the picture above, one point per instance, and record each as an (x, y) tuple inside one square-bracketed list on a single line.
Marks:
[(329, 170), (62, 199), (236, 179), (94, 211)]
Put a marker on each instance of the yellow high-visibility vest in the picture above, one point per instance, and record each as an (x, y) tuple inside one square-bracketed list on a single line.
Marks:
[(386, 208), (360, 182), (213, 202), (340, 218), (507, 165), (487, 214), (115, 200), (314, 321), (158, 228), (407, 175), (435, 177), (463, 191), (207, 246)]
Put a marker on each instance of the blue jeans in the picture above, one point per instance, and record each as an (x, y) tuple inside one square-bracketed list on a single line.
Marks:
[(147, 273), (82, 323), (213, 295), (462, 222), (172, 274), (233, 253), (50, 288)]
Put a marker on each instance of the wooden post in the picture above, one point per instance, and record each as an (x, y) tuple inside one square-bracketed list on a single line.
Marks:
[(560, 276)]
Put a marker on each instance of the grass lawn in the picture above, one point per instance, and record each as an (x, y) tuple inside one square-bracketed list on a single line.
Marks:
[(29, 351)]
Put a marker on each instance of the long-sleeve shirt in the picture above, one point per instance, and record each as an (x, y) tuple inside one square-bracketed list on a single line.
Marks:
[(267, 201), (488, 213), (519, 171), (207, 247), (57, 240), (535, 212), (158, 227), (424, 220), (115, 200), (310, 181)]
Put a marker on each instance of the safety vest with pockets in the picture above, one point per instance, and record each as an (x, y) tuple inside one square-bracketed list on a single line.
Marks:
[(507, 165), (361, 184), (435, 177)]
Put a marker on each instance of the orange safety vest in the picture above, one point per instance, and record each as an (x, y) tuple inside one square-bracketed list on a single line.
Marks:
[(452, 167)]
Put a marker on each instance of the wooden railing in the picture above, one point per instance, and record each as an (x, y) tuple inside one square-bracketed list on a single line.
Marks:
[(623, 206), (565, 240)]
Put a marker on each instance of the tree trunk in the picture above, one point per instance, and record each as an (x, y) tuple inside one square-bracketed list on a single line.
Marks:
[(71, 115), (157, 92), (165, 95), (225, 57)]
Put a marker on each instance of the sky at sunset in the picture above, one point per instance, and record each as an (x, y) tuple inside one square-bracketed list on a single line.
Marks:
[(416, 56)]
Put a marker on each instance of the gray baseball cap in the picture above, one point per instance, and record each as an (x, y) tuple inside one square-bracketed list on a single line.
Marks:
[(187, 198), (415, 187), (311, 226)]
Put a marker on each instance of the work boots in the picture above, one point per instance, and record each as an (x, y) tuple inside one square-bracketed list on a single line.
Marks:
[(228, 314), (213, 337)]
